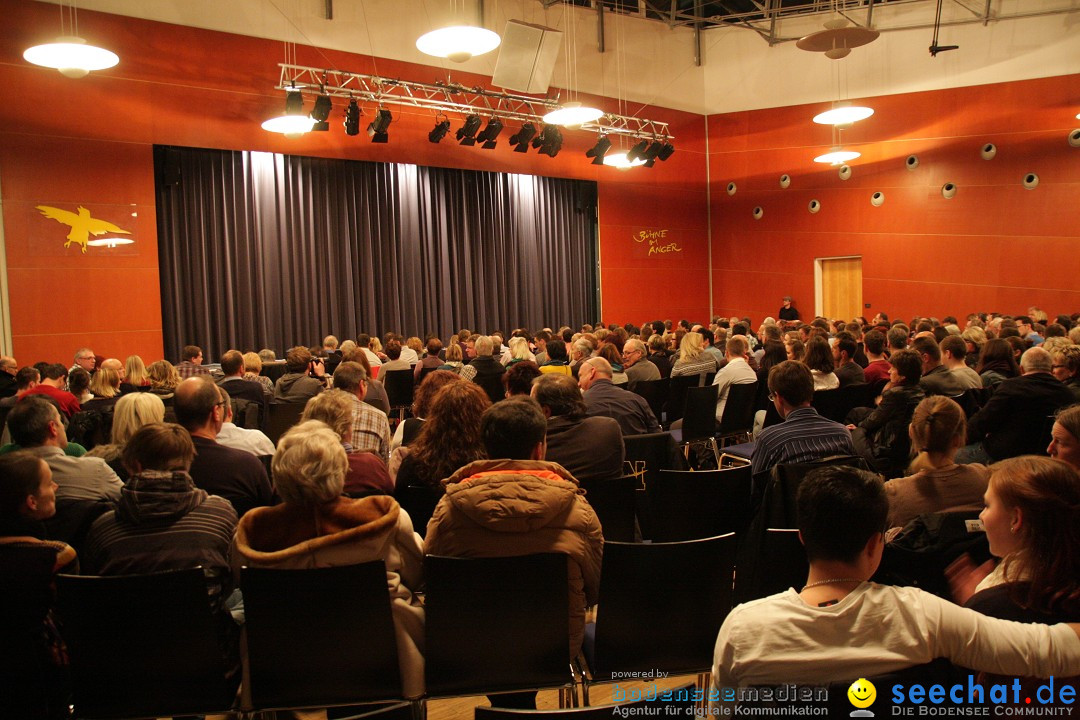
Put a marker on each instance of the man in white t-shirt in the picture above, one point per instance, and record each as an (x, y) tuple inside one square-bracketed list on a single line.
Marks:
[(840, 626)]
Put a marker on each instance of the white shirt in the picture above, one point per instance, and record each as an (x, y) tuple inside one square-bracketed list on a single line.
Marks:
[(878, 629), (372, 358), (238, 438), (736, 372), (409, 355)]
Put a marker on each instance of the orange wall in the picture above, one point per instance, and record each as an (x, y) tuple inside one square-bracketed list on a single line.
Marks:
[(69, 142), (994, 247)]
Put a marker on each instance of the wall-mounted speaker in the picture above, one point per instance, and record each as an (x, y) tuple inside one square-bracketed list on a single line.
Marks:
[(527, 56)]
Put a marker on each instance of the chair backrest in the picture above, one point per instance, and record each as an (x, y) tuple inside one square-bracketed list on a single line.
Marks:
[(677, 395), (247, 413), (319, 637), (394, 711), (673, 702), (836, 404), (657, 451), (419, 502), (662, 604), (492, 385), (655, 393), (399, 387), (613, 501), (927, 545), (496, 624), (282, 417), (780, 564), (424, 372), (686, 505), (699, 415), (738, 415), (143, 645)]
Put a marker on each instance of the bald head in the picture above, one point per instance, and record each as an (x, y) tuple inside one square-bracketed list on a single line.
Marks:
[(196, 404), (114, 364)]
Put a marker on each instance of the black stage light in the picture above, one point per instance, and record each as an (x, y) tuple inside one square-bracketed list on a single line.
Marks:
[(466, 134), (520, 139), (599, 150), (549, 141), (638, 151), (294, 102), (439, 131), (321, 112), (666, 149), (378, 127), (352, 118), (490, 133)]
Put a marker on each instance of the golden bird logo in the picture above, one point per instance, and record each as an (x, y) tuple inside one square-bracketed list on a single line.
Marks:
[(82, 224)]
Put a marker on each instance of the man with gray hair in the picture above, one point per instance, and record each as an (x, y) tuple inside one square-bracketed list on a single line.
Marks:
[(1018, 417), (8, 367), (486, 370), (602, 398), (636, 363)]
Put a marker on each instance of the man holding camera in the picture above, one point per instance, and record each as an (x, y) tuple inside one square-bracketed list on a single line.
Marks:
[(305, 377)]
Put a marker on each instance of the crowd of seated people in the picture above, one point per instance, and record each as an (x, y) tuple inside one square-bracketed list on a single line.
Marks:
[(949, 407)]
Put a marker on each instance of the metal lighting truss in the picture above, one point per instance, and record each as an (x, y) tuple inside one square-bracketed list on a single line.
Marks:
[(456, 98)]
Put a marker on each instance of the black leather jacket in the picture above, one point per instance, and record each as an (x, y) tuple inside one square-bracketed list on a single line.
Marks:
[(886, 428)]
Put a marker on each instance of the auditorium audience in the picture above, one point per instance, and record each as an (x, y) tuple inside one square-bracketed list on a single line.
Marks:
[(231, 435), (519, 376), (996, 362), (431, 357), (163, 378), (253, 372), (453, 361), (406, 430), (483, 367), (938, 430), (396, 362), (367, 473), (862, 628), (848, 372), (78, 384), (8, 368), (954, 358), (693, 360), (304, 378), (819, 359), (735, 372), (370, 427), (1065, 437), (105, 385), (1066, 366), (936, 378), (239, 387), (315, 526), (135, 377), (52, 383), (190, 364), (636, 363), (557, 361), (235, 475), (589, 448)]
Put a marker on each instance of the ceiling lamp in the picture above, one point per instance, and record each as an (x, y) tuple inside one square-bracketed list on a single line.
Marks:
[(352, 118), (294, 122), (837, 39), (573, 114), (837, 156), (109, 242), (71, 56), (621, 161), (843, 115), (458, 43)]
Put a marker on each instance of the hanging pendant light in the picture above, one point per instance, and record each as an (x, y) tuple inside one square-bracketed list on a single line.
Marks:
[(621, 161), (572, 114), (837, 156), (294, 122), (72, 56), (458, 43), (842, 115)]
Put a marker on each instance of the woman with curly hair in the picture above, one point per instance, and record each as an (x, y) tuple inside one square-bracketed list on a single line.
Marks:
[(449, 440), (435, 381), (163, 378)]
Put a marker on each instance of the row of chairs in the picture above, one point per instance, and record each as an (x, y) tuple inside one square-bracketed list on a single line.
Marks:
[(324, 637)]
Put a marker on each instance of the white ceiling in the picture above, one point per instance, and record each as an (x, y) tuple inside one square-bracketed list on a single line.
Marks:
[(646, 61)]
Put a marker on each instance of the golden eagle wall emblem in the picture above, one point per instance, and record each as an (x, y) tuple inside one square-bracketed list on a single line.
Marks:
[(81, 224)]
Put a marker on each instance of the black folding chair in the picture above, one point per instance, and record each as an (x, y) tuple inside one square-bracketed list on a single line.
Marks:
[(699, 421), (399, 390), (687, 505), (497, 624), (677, 396), (655, 393), (282, 417), (144, 646), (737, 421), (661, 607), (613, 501), (319, 637)]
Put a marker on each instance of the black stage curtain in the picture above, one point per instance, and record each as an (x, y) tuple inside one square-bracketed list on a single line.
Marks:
[(265, 250)]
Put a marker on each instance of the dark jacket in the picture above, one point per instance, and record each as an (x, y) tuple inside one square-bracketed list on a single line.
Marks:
[(590, 448), (235, 475), (296, 388), (885, 430), (626, 408), (1016, 420), (940, 381)]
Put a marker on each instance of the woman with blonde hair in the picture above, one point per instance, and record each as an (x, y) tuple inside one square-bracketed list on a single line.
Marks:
[(163, 378), (132, 412), (367, 472), (974, 337), (253, 371), (316, 526), (105, 383), (693, 360), (938, 430), (453, 362), (135, 372), (519, 351)]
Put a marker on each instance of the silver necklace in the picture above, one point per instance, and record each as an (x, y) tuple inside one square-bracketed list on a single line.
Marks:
[(831, 582)]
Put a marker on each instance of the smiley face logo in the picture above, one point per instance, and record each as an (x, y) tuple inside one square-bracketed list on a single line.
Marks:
[(862, 693)]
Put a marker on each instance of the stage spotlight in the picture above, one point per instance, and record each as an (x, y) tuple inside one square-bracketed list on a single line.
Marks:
[(294, 102), (666, 149), (321, 112), (638, 151), (549, 141), (490, 133), (466, 134), (651, 152), (378, 127), (352, 118), (520, 139), (599, 150), (439, 131)]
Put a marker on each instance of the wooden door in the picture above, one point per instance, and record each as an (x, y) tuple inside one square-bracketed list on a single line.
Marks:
[(841, 288)]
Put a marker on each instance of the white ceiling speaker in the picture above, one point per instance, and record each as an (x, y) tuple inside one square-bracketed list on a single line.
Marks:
[(527, 57), (814, 207), (845, 172), (989, 151), (912, 162), (877, 199), (1031, 181), (948, 191), (758, 213), (785, 181), (731, 188)]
